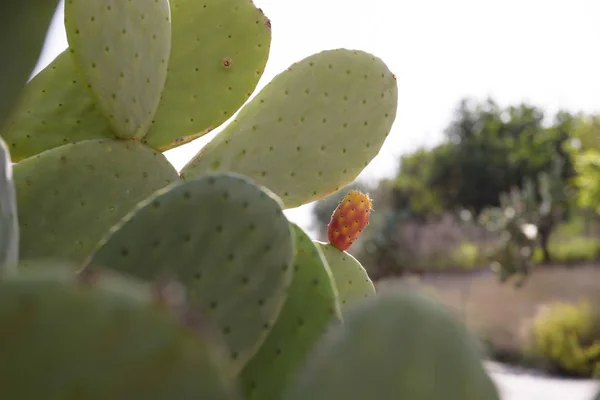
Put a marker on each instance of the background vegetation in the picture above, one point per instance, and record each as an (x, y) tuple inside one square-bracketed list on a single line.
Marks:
[(501, 220)]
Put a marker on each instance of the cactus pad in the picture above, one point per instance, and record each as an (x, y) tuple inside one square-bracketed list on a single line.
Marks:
[(23, 28), (219, 51), (70, 196), (9, 227), (398, 346), (311, 130), (351, 279), (122, 50), (310, 306), (54, 109), (218, 235), (75, 337)]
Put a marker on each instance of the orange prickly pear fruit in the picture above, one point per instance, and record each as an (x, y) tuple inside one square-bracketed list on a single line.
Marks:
[(349, 219)]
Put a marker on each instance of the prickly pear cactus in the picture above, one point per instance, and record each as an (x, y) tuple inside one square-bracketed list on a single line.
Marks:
[(311, 130), (310, 307), (155, 75), (219, 51), (104, 337), (226, 239), (399, 346), (53, 110), (349, 219), (9, 226), (23, 27), (70, 196), (125, 67), (351, 279)]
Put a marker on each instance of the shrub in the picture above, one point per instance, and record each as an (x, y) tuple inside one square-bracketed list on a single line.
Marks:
[(573, 250), (566, 336)]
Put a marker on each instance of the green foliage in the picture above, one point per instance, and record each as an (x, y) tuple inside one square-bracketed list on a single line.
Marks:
[(159, 238), (487, 147), (23, 27), (399, 346), (513, 255), (568, 336), (525, 216), (9, 224), (576, 249), (412, 185), (466, 256), (588, 179)]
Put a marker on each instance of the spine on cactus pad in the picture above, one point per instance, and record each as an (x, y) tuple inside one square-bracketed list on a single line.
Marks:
[(349, 219)]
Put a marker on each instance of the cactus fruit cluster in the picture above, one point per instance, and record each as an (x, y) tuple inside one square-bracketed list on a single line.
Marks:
[(124, 279)]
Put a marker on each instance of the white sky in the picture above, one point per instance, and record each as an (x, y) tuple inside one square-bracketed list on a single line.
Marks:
[(542, 51)]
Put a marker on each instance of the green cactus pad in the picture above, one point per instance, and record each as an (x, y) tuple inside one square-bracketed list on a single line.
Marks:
[(351, 279), (122, 50), (54, 109), (94, 337), (219, 52), (9, 226), (222, 236), (69, 197), (310, 306), (23, 28), (311, 130), (395, 346)]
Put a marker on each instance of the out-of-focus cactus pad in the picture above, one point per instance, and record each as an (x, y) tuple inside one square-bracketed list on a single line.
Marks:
[(219, 52), (69, 197), (74, 337), (311, 130), (310, 306), (223, 237), (54, 109), (122, 50), (9, 227), (351, 279), (23, 28), (395, 346)]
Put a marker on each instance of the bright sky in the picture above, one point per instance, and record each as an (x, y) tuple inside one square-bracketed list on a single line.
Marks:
[(542, 51)]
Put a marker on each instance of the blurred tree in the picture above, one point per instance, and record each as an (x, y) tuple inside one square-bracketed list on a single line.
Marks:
[(584, 147), (490, 150)]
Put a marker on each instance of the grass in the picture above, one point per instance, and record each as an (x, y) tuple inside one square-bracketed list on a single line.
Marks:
[(501, 314)]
